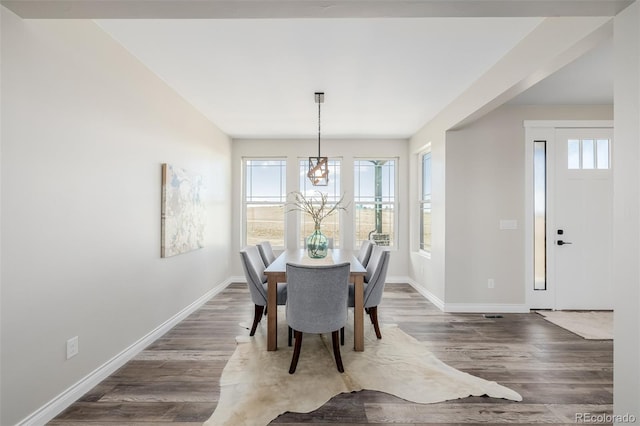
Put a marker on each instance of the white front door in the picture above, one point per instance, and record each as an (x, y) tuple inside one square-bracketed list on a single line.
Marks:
[(568, 227), (580, 239)]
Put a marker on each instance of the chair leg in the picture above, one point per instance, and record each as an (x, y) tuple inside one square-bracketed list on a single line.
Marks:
[(296, 352), (342, 336), (373, 314), (290, 335), (368, 312), (336, 351), (257, 316)]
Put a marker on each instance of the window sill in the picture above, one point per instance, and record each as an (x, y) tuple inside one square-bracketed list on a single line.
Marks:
[(424, 254)]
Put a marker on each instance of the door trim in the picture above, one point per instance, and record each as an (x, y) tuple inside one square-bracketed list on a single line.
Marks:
[(543, 130)]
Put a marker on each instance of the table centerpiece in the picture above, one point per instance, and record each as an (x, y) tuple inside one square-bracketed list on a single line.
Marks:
[(318, 207)]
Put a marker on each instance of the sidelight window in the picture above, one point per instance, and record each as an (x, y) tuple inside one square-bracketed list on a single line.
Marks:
[(540, 214)]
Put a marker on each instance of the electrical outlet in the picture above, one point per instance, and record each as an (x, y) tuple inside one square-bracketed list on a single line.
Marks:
[(491, 283), (72, 347)]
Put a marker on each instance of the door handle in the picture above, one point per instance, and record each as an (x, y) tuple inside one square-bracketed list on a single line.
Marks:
[(561, 243)]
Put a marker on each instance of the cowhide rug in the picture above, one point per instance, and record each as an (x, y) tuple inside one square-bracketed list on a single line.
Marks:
[(256, 387)]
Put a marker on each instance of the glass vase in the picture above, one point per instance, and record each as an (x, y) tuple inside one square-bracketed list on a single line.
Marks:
[(317, 244)]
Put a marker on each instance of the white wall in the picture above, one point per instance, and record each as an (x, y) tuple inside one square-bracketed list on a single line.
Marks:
[(85, 128), (481, 169), (626, 214), (347, 151), (484, 184), (551, 45)]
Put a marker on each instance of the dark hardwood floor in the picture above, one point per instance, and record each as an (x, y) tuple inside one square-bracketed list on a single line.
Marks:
[(175, 380)]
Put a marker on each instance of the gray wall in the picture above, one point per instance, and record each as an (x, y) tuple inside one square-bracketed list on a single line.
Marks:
[(85, 128)]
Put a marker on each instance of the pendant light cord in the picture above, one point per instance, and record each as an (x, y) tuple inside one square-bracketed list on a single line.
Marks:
[(319, 103)]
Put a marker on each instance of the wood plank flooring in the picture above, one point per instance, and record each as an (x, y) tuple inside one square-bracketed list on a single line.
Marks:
[(175, 380)]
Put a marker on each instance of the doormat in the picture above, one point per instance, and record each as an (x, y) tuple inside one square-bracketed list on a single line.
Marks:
[(593, 325)]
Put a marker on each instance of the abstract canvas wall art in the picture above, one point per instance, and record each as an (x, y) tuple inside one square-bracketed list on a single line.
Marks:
[(183, 211)]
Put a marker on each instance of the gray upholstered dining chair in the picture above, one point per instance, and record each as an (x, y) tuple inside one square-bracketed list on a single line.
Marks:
[(256, 281), (374, 282), (317, 303), (365, 252), (330, 243), (266, 252)]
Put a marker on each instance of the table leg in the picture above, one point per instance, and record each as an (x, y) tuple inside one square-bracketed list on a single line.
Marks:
[(358, 314), (272, 313)]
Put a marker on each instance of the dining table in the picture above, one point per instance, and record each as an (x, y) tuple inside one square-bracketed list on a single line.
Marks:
[(277, 272)]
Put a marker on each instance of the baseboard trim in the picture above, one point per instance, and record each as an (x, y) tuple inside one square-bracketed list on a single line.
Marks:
[(481, 308), (54, 407), (476, 308), (426, 293)]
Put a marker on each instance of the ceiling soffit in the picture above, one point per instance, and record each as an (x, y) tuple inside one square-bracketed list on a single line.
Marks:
[(212, 9)]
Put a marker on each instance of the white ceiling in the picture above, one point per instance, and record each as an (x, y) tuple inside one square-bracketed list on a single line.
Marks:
[(381, 77), (387, 67), (586, 81)]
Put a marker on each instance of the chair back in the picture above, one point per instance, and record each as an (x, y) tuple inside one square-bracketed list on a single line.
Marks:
[(317, 297), (330, 243), (365, 252), (254, 272), (266, 252), (376, 275)]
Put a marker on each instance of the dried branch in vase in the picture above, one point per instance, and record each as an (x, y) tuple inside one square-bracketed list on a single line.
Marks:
[(316, 206)]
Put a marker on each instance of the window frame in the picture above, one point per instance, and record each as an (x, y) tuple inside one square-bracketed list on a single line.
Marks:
[(245, 203), (394, 242), (594, 157), (422, 200)]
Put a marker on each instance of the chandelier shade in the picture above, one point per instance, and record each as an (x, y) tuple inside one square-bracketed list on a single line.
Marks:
[(318, 172)]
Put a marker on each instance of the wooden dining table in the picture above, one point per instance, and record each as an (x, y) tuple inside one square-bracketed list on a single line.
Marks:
[(277, 272)]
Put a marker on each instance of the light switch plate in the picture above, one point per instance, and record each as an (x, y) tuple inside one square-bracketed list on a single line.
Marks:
[(508, 224), (72, 347)]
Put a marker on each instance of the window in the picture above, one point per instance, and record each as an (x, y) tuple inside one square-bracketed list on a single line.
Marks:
[(540, 215), (588, 154), (425, 204), (375, 201), (264, 200), (331, 224)]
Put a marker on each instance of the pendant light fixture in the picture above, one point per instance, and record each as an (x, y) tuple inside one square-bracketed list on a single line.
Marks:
[(318, 172)]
